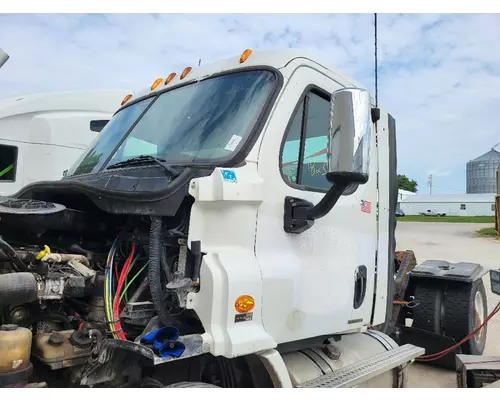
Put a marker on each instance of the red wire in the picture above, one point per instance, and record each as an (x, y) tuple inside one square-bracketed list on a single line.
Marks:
[(116, 306), (437, 356), (121, 280)]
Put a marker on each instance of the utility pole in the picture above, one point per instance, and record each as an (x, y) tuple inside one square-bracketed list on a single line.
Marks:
[(199, 62), (429, 183)]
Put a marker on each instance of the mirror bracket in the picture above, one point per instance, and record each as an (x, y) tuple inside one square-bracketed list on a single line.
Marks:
[(295, 209), (300, 214)]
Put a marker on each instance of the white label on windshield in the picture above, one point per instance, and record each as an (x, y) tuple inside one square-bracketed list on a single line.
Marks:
[(233, 143)]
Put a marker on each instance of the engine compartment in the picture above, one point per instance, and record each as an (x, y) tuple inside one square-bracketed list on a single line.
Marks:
[(79, 279)]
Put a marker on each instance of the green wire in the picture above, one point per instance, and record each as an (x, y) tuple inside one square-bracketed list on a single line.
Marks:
[(7, 169), (126, 278), (132, 280)]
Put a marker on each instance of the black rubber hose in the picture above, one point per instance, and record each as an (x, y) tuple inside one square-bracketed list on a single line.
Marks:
[(155, 271), (11, 253), (56, 317), (17, 288)]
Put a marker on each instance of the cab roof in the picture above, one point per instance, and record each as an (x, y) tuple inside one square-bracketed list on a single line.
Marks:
[(278, 59), (82, 100)]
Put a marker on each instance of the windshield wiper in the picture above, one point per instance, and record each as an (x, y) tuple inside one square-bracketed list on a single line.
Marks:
[(144, 160)]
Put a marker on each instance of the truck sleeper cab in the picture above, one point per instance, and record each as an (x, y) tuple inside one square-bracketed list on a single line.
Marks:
[(49, 130)]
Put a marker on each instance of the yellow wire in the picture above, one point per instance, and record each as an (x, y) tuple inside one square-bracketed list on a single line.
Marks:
[(107, 294), (106, 305), (110, 297)]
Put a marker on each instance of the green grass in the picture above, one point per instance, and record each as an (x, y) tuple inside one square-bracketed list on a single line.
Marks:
[(422, 218), (489, 232)]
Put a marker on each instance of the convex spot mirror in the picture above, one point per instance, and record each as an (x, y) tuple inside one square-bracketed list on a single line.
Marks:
[(349, 138)]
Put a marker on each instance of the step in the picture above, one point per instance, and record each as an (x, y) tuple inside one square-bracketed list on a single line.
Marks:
[(364, 370)]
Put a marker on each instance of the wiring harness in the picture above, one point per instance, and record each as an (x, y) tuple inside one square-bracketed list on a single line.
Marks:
[(116, 286)]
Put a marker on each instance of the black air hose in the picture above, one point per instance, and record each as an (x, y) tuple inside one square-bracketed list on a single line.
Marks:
[(55, 317), (155, 272), (17, 263), (17, 288)]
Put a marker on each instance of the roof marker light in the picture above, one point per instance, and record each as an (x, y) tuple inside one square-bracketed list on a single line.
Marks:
[(126, 98), (156, 83), (186, 71), (170, 77), (245, 55)]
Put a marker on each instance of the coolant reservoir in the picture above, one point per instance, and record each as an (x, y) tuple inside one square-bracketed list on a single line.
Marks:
[(15, 348)]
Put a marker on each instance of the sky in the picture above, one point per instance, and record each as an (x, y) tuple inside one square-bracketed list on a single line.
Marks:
[(439, 74)]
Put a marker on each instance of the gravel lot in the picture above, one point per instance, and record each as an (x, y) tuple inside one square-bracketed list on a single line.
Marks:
[(451, 242)]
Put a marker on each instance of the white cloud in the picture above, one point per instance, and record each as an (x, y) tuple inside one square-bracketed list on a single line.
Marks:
[(439, 74)]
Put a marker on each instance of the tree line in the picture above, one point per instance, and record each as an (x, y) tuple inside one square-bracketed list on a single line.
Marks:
[(406, 183)]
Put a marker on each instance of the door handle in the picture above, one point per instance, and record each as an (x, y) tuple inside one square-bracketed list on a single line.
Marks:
[(359, 286)]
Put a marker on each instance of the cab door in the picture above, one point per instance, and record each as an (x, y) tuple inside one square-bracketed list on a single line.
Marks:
[(322, 280)]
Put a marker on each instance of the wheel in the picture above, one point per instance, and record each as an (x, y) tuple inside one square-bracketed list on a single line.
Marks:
[(465, 309), (428, 314), (192, 385)]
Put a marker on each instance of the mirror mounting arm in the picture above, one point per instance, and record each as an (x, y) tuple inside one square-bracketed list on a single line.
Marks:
[(300, 214)]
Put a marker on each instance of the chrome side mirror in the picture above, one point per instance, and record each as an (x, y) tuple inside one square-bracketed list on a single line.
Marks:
[(349, 137)]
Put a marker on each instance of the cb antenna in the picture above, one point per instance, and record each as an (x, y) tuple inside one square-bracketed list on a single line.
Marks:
[(376, 58)]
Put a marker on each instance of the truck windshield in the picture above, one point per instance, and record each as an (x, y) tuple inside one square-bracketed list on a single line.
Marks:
[(206, 122)]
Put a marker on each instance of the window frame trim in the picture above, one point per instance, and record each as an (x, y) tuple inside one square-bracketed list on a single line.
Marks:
[(16, 159), (317, 90)]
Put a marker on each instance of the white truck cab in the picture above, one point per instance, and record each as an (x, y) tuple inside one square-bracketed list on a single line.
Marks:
[(41, 135), (259, 196)]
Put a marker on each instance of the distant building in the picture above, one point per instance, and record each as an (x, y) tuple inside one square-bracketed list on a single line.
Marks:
[(404, 193), (481, 173), (451, 204)]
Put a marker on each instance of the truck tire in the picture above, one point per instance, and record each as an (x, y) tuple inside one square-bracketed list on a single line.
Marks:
[(465, 309), (192, 385), (428, 314)]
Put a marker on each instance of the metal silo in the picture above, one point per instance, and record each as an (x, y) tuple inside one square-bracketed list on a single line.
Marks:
[(481, 173)]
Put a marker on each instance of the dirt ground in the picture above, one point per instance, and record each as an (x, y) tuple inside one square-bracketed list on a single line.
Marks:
[(451, 242)]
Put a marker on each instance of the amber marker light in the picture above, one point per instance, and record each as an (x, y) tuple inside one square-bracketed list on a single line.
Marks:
[(245, 55), (170, 77), (156, 83), (186, 71), (244, 304), (126, 98)]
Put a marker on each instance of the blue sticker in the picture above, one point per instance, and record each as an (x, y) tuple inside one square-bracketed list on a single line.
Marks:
[(228, 175)]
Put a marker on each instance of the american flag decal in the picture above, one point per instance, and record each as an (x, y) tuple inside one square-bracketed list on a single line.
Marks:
[(366, 206)]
